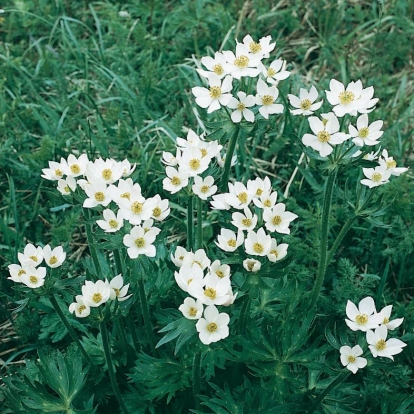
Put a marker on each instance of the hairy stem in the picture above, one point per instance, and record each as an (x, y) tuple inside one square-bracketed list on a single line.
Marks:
[(199, 239), (227, 162), (89, 236), (145, 312), (190, 223)]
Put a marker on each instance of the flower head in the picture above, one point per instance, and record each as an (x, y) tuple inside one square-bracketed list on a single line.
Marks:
[(252, 265), (305, 102), (118, 289), (191, 309), (139, 242), (363, 317), (241, 107), (34, 277), (204, 187), (95, 294), (54, 258), (229, 241), (214, 325), (351, 358), (266, 97), (31, 256), (111, 222), (364, 133), (380, 347), (80, 307)]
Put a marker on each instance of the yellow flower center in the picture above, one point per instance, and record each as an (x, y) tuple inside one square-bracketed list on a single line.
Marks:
[(53, 260), (346, 97), (81, 308), (156, 212), (351, 359), (197, 262), (215, 92), (363, 132), (259, 192), (107, 174), (117, 291), (271, 72), (385, 321), (250, 266), (220, 274), (21, 272), (218, 69), (276, 220), (136, 207), (274, 252), (33, 279), (241, 106), (58, 172), (75, 168), (66, 189), (361, 319), (243, 197), (99, 196), (305, 104), (140, 242), (267, 203), (194, 164), (113, 224), (212, 327), (255, 47), (204, 152), (391, 164), (246, 222), (231, 243), (241, 62), (267, 100), (189, 281), (204, 189), (376, 177), (323, 136), (192, 311), (175, 181), (97, 297), (258, 248), (381, 345), (210, 293), (126, 195), (34, 258)]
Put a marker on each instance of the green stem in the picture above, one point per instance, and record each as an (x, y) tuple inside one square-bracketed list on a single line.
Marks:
[(324, 239), (145, 312), (199, 242), (241, 326), (190, 223), (227, 163), (340, 237), (340, 378), (197, 379), (71, 331), (89, 236), (109, 363)]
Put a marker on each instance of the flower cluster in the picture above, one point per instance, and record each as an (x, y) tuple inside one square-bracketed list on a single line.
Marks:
[(208, 284), (29, 271), (365, 318), (225, 74), (275, 217), (326, 133), (106, 183), (98, 293)]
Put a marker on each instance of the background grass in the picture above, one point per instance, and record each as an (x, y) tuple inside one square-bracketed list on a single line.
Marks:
[(76, 76)]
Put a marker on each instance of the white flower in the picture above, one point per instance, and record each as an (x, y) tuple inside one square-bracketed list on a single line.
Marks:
[(351, 100), (66, 186), (104, 171), (351, 358), (376, 176), (34, 277), (219, 202), (222, 159), (31, 256), (266, 96), (188, 275), (380, 347), (277, 219), (137, 208), (252, 265), (243, 63), (228, 241), (390, 164), (246, 221), (148, 225), (191, 309), (386, 314), (216, 95), (262, 49), (214, 325), (364, 317), (140, 242), (258, 244), (178, 256), (123, 190), (54, 172), (16, 272), (241, 107), (95, 294), (111, 222), (97, 193), (305, 102), (326, 134), (118, 289), (161, 209), (54, 258), (219, 270), (266, 200), (216, 65), (199, 257), (175, 180), (238, 195), (74, 167), (277, 252), (214, 292), (258, 186), (204, 188), (127, 168), (192, 161), (272, 73), (365, 134), (170, 159), (80, 307)]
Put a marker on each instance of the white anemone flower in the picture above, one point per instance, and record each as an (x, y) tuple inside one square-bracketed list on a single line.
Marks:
[(219, 270), (178, 256), (31, 256), (363, 317), (243, 63), (376, 176), (221, 160), (216, 65), (364, 133), (188, 275), (351, 358), (391, 164), (217, 94), (229, 241), (104, 171), (148, 225), (204, 187), (34, 277), (199, 257), (139, 242), (214, 326), (380, 347), (97, 193), (175, 180), (246, 221), (193, 162), (258, 244), (275, 72), (73, 166), (305, 103), (161, 210), (127, 168), (219, 202), (118, 289), (170, 159), (326, 134), (277, 219), (265, 97), (259, 186), (137, 209), (238, 196), (191, 309), (80, 307), (261, 48), (277, 251), (123, 189), (252, 265), (16, 272), (66, 186), (54, 258), (112, 222), (214, 292), (95, 294), (241, 106), (266, 200), (386, 315), (54, 172)]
